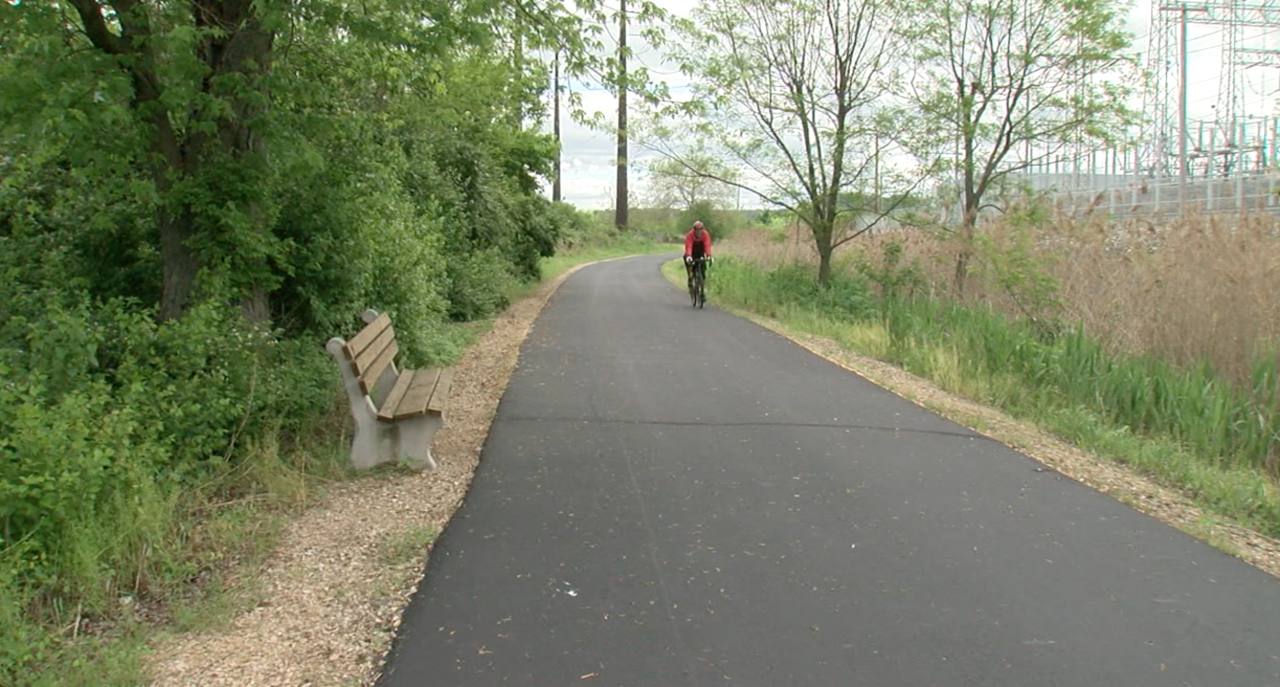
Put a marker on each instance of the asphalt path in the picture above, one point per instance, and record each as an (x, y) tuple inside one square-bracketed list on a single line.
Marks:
[(677, 497)]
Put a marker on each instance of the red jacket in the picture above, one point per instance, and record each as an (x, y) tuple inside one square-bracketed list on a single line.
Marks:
[(705, 241)]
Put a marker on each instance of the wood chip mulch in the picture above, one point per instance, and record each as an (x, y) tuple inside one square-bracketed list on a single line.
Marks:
[(328, 601)]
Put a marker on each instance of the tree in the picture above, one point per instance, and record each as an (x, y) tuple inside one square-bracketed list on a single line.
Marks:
[(1008, 81), (673, 185), (203, 91), (199, 112), (788, 91)]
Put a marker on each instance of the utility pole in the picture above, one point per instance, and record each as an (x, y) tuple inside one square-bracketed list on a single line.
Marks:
[(620, 211), (555, 89)]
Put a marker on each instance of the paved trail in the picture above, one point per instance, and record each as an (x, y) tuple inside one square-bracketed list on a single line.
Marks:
[(674, 497)]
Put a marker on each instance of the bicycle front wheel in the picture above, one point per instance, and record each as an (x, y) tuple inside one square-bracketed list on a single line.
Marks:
[(700, 284)]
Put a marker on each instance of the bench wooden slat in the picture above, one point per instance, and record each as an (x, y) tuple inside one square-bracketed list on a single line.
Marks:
[(370, 377), (366, 358), (419, 394), (361, 341), (441, 393), (388, 411)]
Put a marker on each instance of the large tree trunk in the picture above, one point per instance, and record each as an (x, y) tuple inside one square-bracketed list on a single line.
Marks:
[(967, 228), (246, 51), (180, 265), (823, 233), (235, 43)]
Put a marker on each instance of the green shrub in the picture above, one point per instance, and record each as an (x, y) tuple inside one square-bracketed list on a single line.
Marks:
[(22, 643), (790, 286), (716, 221), (479, 285), (892, 278), (359, 240)]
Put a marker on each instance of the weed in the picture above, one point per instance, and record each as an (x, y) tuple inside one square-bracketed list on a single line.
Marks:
[(409, 545)]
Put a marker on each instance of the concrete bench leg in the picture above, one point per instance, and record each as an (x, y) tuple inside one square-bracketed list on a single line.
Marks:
[(414, 441), (374, 442)]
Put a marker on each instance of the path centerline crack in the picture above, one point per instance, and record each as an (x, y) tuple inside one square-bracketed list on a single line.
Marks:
[(755, 423)]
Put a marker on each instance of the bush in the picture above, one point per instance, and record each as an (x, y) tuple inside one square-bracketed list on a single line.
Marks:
[(359, 241), (714, 220), (107, 416), (893, 279), (479, 285), (788, 287)]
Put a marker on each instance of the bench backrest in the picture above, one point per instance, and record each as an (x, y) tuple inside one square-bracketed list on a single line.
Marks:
[(371, 351)]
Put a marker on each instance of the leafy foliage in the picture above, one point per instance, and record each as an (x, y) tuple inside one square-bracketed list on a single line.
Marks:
[(187, 211), (894, 279), (791, 91), (681, 183), (995, 82), (717, 221)]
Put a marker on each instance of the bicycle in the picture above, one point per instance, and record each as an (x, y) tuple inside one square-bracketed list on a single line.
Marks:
[(697, 287)]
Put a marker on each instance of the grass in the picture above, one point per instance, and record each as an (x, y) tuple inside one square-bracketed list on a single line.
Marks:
[(556, 265), (196, 592), (1187, 427), (409, 545), (1189, 290)]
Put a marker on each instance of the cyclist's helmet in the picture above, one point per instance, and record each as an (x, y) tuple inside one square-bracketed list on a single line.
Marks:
[(698, 225)]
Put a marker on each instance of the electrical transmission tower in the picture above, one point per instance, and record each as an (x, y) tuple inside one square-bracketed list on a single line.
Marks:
[(1170, 147)]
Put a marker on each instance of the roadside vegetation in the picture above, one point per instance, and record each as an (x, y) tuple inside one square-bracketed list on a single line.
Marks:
[(193, 199), (894, 144), (1154, 350)]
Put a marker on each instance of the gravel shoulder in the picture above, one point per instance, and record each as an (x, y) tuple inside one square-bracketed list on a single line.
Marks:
[(330, 598), (1126, 485)]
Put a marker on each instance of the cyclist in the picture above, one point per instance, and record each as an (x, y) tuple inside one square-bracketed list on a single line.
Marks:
[(697, 245)]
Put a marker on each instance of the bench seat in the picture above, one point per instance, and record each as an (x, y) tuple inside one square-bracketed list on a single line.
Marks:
[(416, 393)]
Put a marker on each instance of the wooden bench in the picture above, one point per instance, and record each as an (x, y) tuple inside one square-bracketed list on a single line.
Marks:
[(396, 411)]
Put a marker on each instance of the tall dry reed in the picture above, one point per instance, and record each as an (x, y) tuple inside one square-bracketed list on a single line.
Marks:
[(1196, 289)]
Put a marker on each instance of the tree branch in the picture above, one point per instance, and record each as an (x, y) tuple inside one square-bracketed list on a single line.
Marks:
[(95, 27)]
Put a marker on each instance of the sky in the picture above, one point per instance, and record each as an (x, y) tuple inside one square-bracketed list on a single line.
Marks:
[(588, 154), (588, 163)]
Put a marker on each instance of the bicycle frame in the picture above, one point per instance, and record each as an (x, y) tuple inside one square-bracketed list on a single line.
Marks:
[(697, 289)]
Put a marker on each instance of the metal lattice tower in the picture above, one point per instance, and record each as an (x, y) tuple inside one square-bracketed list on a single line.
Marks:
[(1161, 94), (1230, 86), (1162, 135)]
